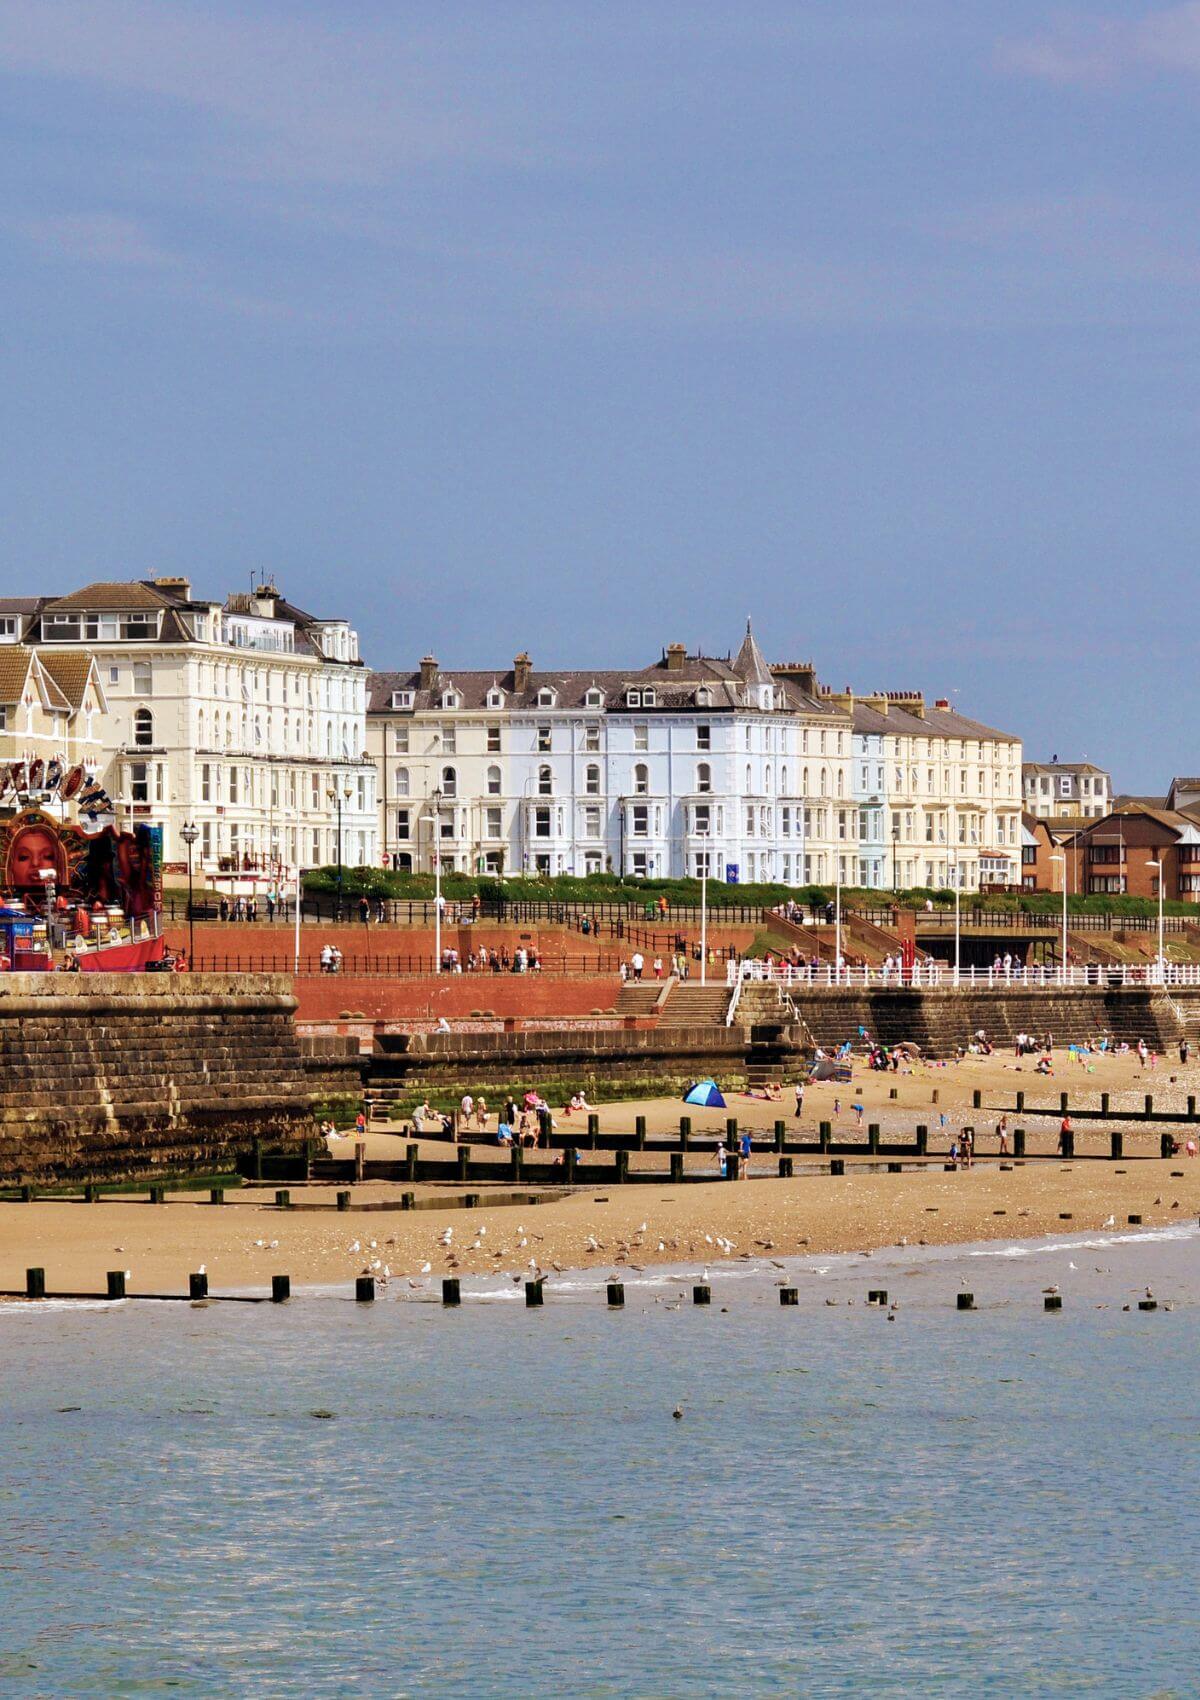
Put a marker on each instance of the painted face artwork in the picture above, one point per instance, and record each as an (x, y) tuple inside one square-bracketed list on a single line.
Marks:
[(32, 852)]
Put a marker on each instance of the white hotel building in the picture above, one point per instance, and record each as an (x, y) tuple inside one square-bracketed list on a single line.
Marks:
[(245, 717), (757, 772), (660, 771)]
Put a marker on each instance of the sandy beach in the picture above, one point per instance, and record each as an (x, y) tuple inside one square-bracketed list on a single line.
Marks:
[(246, 1241)]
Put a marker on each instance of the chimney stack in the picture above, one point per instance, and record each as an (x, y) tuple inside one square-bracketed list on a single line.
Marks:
[(429, 672), (676, 656), (522, 668)]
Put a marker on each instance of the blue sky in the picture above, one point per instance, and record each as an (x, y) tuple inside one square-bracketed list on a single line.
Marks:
[(584, 328)]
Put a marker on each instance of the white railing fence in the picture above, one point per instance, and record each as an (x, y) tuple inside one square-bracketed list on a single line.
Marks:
[(942, 974)]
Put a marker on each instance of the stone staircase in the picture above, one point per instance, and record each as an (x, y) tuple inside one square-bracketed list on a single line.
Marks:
[(640, 997), (690, 1004)]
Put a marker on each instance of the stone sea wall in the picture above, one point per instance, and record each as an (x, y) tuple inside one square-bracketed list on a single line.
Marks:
[(112, 1075)]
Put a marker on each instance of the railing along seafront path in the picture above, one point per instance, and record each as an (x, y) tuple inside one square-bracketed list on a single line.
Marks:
[(931, 975)]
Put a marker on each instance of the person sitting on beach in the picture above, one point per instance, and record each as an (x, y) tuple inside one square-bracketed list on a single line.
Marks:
[(421, 1115), (504, 1134), (1044, 1066)]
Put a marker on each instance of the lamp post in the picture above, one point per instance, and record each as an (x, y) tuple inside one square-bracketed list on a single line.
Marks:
[(1162, 953), (1061, 856), (335, 796), (837, 917), (895, 861), (190, 832), (957, 919), (435, 798), (704, 911)]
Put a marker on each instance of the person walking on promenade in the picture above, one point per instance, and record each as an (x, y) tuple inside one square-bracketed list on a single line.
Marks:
[(637, 962)]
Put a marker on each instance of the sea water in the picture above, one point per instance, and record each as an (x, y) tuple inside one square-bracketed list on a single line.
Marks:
[(325, 1498)]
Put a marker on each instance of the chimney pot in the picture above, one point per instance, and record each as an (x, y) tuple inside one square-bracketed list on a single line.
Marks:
[(429, 672), (522, 668)]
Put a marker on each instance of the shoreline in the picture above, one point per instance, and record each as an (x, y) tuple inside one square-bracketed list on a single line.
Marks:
[(607, 1231)]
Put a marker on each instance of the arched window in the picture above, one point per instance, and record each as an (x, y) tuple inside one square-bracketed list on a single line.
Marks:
[(805, 787), (824, 782), (402, 782), (768, 779), (749, 779), (591, 779), (783, 790), (840, 778), (545, 782), (201, 729), (641, 779), (329, 740), (703, 777), (493, 781), (143, 729), (449, 782)]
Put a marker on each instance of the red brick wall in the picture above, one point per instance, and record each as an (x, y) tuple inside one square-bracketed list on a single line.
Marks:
[(324, 996)]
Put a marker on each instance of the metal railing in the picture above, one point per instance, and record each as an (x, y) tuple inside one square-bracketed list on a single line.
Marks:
[(932, 973), (393, 966)]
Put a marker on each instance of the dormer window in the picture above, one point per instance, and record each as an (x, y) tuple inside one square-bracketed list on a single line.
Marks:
[(451, 699), (495, 698), (402, 699), (704, 697), (593, 698), (649, 698), (546, 697), (633, 699)]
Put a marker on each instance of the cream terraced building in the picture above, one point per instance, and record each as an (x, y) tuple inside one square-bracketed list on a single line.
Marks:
[(52, 709), (246, 717), (939, 794)]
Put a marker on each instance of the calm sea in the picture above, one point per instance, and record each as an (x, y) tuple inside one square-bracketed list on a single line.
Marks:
[(501, 1503)]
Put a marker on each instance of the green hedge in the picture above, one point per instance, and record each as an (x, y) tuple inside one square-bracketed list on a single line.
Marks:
[(610, 888)]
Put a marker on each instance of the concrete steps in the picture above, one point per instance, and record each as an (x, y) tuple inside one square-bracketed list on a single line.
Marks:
[(693, 1005)]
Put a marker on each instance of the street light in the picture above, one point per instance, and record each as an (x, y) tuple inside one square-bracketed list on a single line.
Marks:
[(435, 798), (704, 910), (957, 917), (837, 914), (1061, 856), (190, 832), (335, 796), (1162, 954), (895, 861)]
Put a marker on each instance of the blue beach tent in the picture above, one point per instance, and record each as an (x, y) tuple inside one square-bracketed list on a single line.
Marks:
[(706, 1093)]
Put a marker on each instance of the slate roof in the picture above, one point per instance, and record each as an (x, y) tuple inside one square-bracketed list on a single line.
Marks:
[(936, 723)]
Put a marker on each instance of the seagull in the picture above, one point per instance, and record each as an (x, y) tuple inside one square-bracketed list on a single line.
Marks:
[(447, 1236), (1109, 1222), (354, 1246), (480, 1232), (202, 1270), (426, 1267)]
